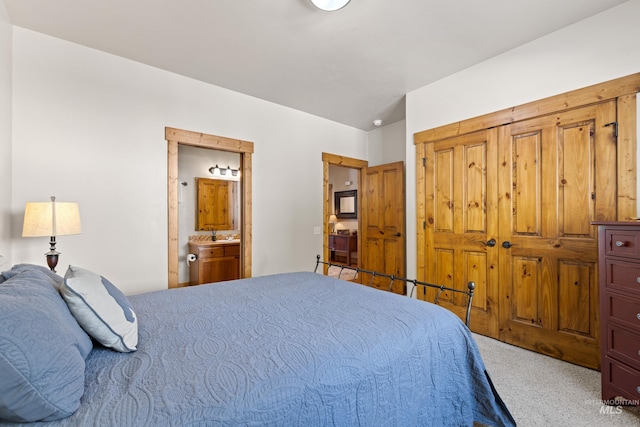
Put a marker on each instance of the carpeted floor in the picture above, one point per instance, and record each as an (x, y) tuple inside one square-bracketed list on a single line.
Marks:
[(543, 391), (344, 274)]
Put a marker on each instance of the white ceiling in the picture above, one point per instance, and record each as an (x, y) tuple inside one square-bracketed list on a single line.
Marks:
[(352, 66)]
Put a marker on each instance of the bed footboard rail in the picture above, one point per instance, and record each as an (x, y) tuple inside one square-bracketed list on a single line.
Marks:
[(469, 292)]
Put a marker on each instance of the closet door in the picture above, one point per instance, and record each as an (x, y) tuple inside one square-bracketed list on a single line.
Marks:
[(556, 174), (458, 244)]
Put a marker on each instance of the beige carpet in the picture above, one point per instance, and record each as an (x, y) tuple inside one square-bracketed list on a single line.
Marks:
[(344, 274), (543, 391)]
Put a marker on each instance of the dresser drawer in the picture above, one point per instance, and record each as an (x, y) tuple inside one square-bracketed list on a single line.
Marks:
[(623, 276), (622, 379), (622, 243), (624, 345), (210, 252), (621, 308), (338, 243)]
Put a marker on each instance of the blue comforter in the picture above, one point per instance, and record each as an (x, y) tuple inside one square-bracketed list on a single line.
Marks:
[(296, 349)]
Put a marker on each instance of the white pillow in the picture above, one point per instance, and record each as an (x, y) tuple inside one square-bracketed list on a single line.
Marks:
[(101, 309)]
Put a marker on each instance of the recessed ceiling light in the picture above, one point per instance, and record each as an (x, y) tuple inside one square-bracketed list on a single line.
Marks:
[(330, 5), (377, 122)]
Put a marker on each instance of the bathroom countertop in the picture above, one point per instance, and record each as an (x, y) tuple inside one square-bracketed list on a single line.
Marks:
[(214, 242)]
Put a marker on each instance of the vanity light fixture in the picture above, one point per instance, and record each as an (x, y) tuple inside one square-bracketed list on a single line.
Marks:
[(330, 5), (223, 171)]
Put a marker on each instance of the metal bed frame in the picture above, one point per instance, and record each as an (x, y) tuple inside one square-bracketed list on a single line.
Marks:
[(469, 293)]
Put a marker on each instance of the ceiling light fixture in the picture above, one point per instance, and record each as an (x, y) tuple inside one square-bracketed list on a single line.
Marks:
[(330, 5), (377, 122)]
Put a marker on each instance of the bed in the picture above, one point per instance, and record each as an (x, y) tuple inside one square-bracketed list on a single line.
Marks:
[(292, 349)]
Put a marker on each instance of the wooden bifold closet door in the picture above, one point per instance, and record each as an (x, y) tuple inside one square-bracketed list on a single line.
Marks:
[(462, 224), (557, 175), (511, 208)]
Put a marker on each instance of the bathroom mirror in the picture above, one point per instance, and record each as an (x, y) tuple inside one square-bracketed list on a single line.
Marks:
[(217, 205), (346, 204)]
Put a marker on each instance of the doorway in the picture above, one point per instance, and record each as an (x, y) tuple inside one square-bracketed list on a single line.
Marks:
[(330, 161), (208, 202), (344, 217), (380, 205), (177, 137)]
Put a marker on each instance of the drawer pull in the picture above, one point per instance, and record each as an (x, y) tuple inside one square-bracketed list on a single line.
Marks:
[(620, 243), (638, 316), (638, 279), (638, 389)]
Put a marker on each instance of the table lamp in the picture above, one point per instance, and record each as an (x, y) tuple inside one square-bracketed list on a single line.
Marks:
[(332, 220), (51, 219)]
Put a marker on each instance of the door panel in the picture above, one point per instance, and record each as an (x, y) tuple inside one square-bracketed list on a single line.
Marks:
[(549, 196), (461, 213), (383, 241)]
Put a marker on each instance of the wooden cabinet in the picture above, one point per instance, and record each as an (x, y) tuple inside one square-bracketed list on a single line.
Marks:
[(216, 262), (344, 244), (619, 252)]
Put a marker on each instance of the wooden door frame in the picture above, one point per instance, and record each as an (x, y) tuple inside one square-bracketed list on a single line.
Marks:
[(176, 137), (348, 162)]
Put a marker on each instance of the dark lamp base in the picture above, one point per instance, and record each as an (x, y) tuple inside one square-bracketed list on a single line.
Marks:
[(52, 261)]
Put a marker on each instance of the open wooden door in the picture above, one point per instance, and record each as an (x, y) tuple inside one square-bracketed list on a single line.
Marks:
[(383, 225)]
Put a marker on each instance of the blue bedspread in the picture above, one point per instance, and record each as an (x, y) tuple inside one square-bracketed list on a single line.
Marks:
[(296, 349)]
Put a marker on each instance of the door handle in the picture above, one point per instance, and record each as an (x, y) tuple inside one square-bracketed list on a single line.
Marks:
[(491, 243), (506, 244), (398, 234)]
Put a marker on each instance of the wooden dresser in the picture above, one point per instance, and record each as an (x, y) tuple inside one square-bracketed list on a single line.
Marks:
[(344, 244), (619, 263), (216, 261)]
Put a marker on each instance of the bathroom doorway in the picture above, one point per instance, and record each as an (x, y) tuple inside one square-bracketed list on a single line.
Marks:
[(178, 137)]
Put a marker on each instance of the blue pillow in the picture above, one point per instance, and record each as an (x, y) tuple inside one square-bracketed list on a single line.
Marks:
[(42, 350), (20, 268), (101, 309)]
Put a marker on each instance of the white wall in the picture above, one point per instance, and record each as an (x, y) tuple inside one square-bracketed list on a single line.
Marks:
[(6, 35), (387, 143), (89, 127), (598, 49)]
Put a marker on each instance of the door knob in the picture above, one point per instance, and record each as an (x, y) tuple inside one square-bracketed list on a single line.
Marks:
[(491, 243), (506, 244), (398, 234)]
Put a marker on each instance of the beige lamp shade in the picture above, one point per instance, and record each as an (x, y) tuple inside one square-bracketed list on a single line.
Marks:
[(51, 219), (333, 219)]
